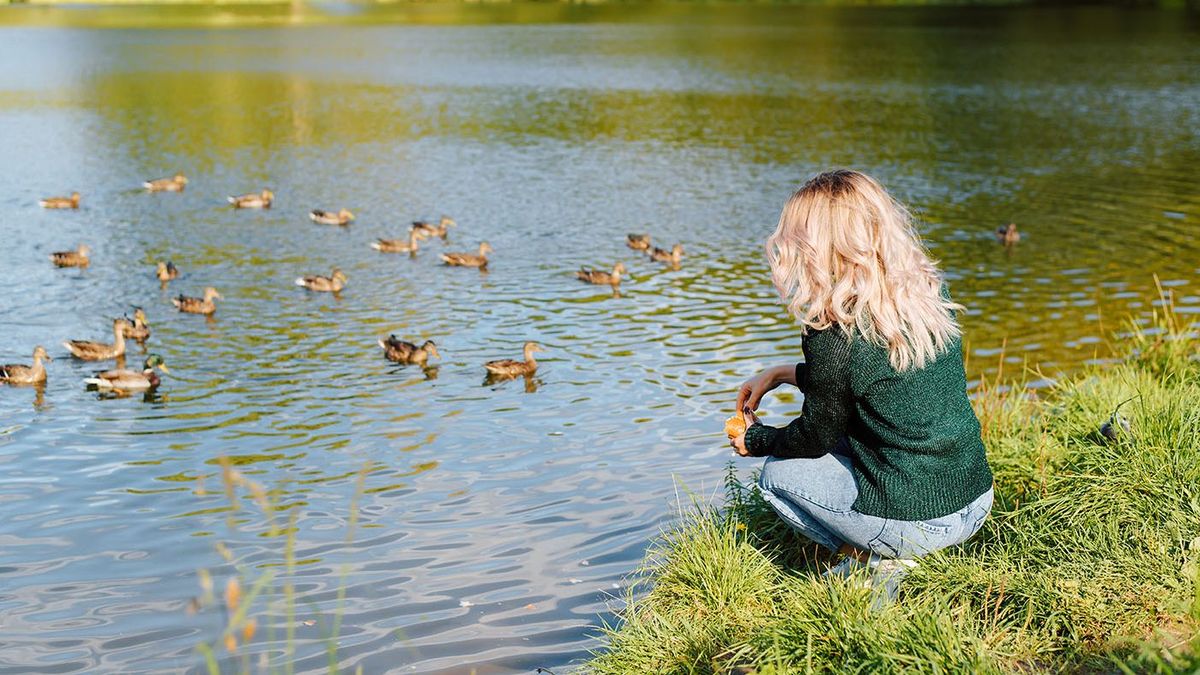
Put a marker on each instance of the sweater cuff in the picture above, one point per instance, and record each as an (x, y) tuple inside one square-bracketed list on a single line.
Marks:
[(760, 438)]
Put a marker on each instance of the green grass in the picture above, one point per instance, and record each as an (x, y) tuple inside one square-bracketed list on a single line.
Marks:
[(1089, 563)]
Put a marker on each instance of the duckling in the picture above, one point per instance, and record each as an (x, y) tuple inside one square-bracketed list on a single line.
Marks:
[(71, 202), (333, 283), (638, 242), (398, 245), (342, 217), (600, 277), (469, 259), (16, 373), (203, 305), (140, 328), (511, 368), (76, 258), (400, 351), (100, 351), (673, 256), (430, 230), (166, 271), (130, 380), (174, 183), (1008, 235), (261, 200)]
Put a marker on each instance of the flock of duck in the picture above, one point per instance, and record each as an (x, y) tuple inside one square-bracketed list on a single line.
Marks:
[(121, 380)]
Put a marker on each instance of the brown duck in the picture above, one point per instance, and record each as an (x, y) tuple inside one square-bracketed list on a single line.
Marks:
[(174, 183), (76, 258), (122, 379), (601, 277), (193, 305), (398, 245), (428, 229), (638, 242), (342, 217), (400, 351), (99, 351), (71, 202), (469, 259), (166, 271), (511, 368), (333, 283), (1008, 235), (261, 200), (673, 256), (139, 329), (17, 373)]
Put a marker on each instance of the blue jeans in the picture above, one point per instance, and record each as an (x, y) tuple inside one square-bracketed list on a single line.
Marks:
[(815, 496)]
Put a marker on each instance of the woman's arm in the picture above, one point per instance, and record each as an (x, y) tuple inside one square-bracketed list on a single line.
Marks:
[(753, 390)]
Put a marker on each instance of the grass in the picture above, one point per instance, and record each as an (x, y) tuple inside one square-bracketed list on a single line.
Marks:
[(1089, 563)]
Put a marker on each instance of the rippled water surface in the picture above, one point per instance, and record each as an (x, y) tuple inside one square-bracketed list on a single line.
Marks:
[(498, 523)]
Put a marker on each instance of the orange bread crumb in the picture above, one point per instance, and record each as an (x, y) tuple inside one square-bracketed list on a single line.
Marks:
[(735, 426)]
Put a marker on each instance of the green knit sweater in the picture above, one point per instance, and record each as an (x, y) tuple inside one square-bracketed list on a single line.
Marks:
[(913, 436)]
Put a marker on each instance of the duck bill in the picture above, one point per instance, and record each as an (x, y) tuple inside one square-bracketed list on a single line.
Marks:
[(163, 367)]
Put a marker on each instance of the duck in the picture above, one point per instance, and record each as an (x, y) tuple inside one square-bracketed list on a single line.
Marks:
[(166, 271), (122, 379), (333, 283), (342, 217), (88, 350), (203, 305), (76, 258), (18, 373), (601, 277), (139, 329), (430, 230), (400, 351), (511, 368), (469, 259), (71, 202), (673, 256), (638, 242), (1008, 235), (261, 200), (174, 183), (398, 245)]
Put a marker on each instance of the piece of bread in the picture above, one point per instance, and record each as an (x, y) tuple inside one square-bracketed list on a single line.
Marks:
[(735, 426)]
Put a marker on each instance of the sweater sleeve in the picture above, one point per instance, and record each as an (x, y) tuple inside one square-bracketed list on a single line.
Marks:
[(802, 376), (827, 404)]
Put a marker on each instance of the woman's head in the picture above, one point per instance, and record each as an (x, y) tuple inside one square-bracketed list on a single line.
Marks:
[(845, 253)]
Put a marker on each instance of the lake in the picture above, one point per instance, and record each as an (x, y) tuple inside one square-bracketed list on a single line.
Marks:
[(498, 525)]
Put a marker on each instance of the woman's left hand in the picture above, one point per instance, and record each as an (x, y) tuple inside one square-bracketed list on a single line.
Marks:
[(739, 442)]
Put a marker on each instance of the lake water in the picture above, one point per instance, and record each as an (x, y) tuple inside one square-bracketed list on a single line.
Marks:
[(499, 524)]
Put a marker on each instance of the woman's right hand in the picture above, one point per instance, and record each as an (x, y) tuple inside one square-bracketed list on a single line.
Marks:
[(753, 389)]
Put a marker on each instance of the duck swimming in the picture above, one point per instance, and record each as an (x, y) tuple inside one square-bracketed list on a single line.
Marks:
[(333, 283), (398, 245), (76, 258), (395, 349), (122, 379), (469, 259), (174, 183), (673, 256), (89, 350), (17, 373), (428, 229), (140, 328), (203, 305), (511, 368), (601, 277), (342, 217), (638, 242), (261, 200), (1008, 235), (166, 271), (71, 202)]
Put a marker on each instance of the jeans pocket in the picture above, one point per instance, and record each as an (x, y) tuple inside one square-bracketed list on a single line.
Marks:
[(911, 538)]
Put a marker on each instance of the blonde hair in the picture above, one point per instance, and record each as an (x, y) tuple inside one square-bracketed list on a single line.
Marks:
[(845, 253)]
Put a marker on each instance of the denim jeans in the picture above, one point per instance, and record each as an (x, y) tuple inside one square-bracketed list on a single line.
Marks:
[(815, 496)]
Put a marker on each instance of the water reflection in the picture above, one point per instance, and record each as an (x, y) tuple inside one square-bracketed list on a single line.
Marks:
[(551, 141)]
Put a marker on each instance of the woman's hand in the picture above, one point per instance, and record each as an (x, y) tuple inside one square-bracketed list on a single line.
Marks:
[(739, 442), (753, 389)]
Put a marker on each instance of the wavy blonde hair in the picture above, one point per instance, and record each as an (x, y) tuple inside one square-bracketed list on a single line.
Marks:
[(846, 253)]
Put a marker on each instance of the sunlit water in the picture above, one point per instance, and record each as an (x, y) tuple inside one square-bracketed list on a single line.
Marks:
[(549, 134)]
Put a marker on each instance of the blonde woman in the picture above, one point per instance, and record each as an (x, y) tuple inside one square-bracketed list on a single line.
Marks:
[(886, 463)]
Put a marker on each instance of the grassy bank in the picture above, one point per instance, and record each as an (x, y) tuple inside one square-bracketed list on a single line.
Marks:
[(1088, 564)]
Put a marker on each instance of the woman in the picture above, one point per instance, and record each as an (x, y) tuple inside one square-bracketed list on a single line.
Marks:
[(886, 464)]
